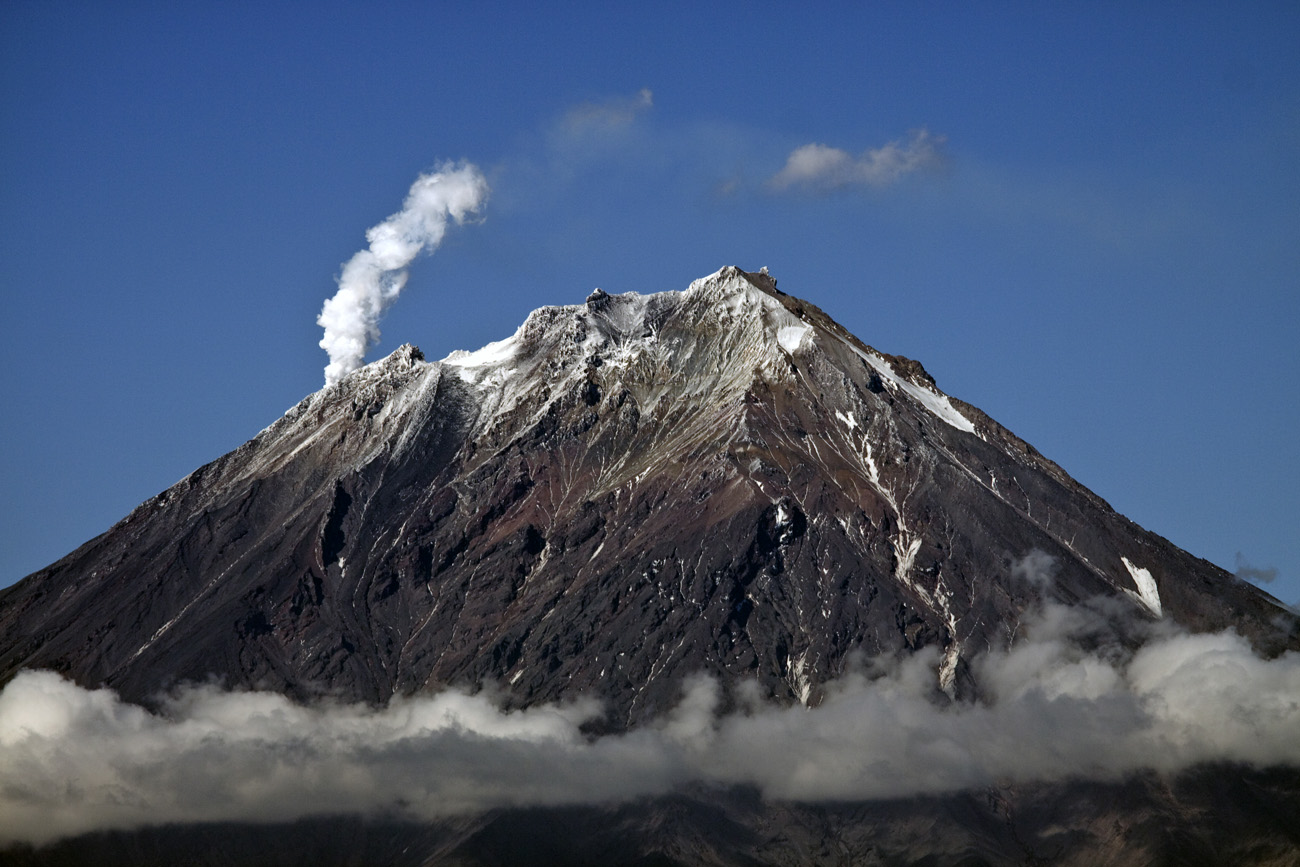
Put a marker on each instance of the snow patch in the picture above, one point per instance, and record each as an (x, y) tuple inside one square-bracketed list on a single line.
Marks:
[(951, 656), (791, 337), (495, 353), (905, 550), (784, 523), (1147, 593), (874, 474), (848, 419), (802, 682), (934, 401)]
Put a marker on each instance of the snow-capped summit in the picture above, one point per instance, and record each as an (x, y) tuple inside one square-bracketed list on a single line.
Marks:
[(625, 494)]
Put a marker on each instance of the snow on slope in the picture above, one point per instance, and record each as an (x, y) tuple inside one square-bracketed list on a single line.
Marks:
[(627, 324)]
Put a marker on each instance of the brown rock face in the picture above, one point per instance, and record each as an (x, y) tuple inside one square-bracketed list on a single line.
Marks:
[(624, 493)]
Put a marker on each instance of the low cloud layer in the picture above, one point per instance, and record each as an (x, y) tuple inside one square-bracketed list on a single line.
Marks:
[(822, 168), (74, 760), (372, 279)]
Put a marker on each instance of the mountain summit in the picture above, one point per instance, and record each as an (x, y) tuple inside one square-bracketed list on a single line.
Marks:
[(623, 493)]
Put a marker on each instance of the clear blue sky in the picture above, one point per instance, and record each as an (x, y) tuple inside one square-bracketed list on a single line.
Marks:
[(1098, 242)]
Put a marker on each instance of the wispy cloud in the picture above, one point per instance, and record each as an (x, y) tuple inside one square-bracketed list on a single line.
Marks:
[(597, 133), (615, 113), (823, 168), (1071, 699), (1037, 568), (1256, 574)]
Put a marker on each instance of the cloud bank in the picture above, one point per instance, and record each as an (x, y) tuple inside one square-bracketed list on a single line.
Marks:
[(372, 279), (75, 760), (822, 168)]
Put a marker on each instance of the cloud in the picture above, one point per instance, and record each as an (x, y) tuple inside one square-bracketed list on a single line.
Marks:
[(74, 760), (823, 168), (612, 114), (373, 278), (1257, 575), (1037, 568)]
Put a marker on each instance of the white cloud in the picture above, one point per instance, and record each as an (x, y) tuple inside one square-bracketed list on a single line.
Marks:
[(819, 167), (75, 760)]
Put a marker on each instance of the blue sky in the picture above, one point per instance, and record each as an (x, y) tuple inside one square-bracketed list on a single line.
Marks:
[(1088, 224)]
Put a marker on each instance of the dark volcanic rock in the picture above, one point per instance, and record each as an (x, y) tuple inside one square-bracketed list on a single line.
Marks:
[(623, 493)]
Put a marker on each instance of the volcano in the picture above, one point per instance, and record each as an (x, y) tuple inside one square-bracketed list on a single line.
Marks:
[(624, 494)]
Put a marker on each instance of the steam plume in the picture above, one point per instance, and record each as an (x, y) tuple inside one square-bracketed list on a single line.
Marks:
[(372, 279)]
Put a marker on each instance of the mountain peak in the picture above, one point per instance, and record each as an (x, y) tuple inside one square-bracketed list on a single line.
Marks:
[(622, 493), (731, 292), (622, 496), (731, 279)]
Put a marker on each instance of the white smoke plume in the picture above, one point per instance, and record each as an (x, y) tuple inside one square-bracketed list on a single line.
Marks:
[(372, 279), (75, 760)]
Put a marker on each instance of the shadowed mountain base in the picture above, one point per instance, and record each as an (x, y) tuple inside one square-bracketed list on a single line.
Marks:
[(1210, 816)]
